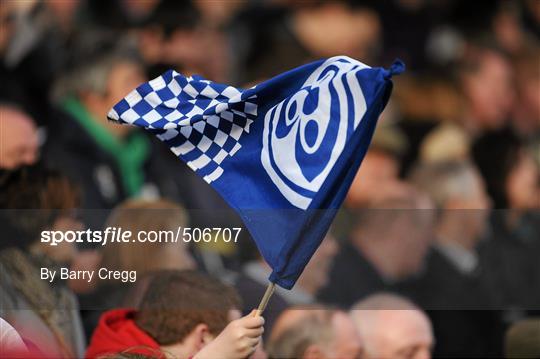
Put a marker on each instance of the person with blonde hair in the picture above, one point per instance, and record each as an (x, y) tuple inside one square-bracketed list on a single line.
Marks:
[(141, 258), (144, 216)]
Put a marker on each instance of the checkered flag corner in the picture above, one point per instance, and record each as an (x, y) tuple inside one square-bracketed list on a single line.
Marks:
[(201, 121), (172, 100)]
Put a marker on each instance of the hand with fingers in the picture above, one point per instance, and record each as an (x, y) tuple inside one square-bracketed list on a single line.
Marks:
[(237, 341)]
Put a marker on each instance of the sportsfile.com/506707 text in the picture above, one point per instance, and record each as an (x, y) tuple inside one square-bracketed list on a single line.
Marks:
[(119, 235)]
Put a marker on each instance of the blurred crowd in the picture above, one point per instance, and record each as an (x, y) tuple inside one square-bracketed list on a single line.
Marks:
[(436, 251)]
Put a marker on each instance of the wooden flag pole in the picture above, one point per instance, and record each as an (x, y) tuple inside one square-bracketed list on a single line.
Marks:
[(265, 299)]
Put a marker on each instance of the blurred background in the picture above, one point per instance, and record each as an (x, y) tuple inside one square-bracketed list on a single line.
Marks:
[(444, 210)]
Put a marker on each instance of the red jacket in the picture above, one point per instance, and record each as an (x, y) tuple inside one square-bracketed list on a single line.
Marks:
[(117, 332)]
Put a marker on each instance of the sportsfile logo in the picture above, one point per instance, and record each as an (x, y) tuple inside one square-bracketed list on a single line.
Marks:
[(120, 235), (300, 143)]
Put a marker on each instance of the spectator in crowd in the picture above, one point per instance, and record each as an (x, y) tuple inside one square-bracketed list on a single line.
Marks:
[(487, 82), (512, 180), (377, 176), (486, 97), (523, 339), (526, 111), (136, 216), (299, 33), (109, 162), (452, 279), (447, 143), (391, 326), (168, 39), (511, 256), (19, 138), (183, 314), (45, 313), (458, 191), (388, 244), (313, 278), (120, 15), (253, 280), (129, 354), (34, 50), (314, 332), (106, 160)]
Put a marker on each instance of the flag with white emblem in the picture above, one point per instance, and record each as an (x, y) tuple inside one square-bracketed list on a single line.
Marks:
[(282, 154)]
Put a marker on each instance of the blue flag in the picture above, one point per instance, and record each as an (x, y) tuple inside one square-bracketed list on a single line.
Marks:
[(282, 154)]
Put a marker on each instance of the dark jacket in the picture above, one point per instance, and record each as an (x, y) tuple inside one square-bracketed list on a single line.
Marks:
[(465, 324), (352, 278), (73, 151)]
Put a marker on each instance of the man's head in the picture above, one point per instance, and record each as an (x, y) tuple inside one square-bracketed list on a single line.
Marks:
[(158, 216), (315, 276), (379, 172), (184, 310), (380, 169), (392, 327), (486, 78), (458, 191), (100, 81), (18, 138), (314, 333), (394, 235)]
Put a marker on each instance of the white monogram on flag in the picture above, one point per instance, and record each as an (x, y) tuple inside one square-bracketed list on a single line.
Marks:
[(301, 144)]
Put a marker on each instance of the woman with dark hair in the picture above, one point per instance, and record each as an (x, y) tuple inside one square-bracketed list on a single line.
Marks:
[(511, 255), (45, 314)]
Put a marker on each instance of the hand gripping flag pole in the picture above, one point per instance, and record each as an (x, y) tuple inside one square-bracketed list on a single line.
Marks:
[(282, 154)]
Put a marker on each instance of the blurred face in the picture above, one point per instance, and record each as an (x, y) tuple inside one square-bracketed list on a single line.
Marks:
[(397, 334), (346, 343), (471, 211), (414, 238), (333, 29), (176, 257), (477, 198), (378, 169), (18, 139), (7, 23), (522, 184), (63, 9), (64, 252), (490, 91), (315, 276), (123, 78), (530, 104), (409, 233)]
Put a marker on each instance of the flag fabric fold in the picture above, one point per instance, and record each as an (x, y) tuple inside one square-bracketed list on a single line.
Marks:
[(282, 154)]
